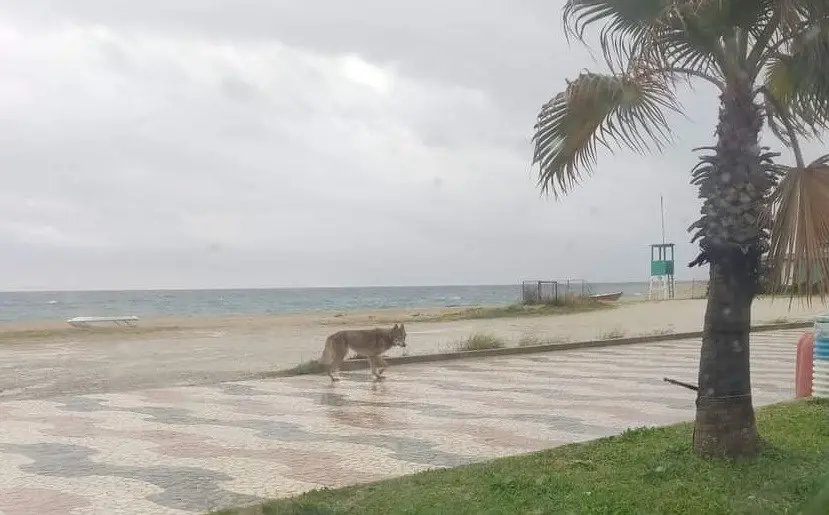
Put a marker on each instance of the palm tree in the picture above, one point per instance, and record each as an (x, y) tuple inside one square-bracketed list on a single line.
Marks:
[(769, 59)]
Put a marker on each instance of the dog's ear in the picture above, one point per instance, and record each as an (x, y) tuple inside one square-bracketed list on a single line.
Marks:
[(394, 328), (401, 327)]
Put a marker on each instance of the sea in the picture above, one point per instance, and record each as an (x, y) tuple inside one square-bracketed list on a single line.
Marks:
[(60, 305)]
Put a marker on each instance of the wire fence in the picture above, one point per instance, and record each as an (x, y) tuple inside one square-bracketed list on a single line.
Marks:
[(553, 292)]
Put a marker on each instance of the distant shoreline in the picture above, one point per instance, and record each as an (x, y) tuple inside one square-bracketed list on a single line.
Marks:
[(300, 288), (333, 318), (684, 290), (41, 309), (309, 317)]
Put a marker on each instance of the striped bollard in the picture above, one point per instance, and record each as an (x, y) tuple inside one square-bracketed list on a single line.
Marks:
[(820, 365)]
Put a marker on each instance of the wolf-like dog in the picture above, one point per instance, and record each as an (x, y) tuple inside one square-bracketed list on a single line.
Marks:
[(369, 343)]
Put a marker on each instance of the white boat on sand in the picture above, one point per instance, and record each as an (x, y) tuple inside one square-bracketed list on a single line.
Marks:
[(123, 321)]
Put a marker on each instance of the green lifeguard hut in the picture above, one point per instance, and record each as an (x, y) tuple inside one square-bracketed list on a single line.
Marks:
[(662, 284)]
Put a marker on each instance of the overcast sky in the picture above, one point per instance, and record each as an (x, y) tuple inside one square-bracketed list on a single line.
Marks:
[(256, 143)]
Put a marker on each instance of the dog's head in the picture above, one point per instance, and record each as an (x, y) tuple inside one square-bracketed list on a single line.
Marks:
[(398, 335)]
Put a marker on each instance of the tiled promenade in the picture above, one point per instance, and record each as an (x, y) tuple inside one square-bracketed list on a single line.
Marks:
[(191, 449)]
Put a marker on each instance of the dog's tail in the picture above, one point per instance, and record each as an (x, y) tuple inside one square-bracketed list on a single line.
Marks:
[(328, 352)]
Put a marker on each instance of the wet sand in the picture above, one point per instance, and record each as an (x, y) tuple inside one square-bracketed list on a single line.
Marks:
[(204, 350)]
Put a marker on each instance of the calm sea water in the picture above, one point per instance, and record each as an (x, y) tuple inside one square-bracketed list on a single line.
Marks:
[(21, 306)]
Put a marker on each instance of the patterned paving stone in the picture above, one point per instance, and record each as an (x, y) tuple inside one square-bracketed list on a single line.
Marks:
[(184, 450)]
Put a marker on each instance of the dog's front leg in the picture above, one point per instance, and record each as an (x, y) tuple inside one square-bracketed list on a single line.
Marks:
[(382, 364), (373, 360), (332, 376)]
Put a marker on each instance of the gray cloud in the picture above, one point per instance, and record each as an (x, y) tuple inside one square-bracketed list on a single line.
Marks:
[(261, 142)]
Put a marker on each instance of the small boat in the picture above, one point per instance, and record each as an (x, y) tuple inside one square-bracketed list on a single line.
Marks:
[(128, 321), (607, 296)]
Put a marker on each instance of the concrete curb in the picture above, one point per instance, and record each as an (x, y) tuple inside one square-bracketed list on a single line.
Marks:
[(360, 364)]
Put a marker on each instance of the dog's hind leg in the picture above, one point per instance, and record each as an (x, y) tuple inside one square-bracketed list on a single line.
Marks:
[(330, 370), (328, 357), (337, 359)]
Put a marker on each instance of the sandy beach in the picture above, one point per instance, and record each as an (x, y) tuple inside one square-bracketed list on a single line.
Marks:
[(41, 359)]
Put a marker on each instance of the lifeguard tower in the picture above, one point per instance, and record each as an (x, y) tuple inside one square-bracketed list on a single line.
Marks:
[(662, 285)]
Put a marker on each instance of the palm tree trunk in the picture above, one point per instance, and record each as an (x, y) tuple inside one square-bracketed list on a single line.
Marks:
[(735, 186), (725, 424)]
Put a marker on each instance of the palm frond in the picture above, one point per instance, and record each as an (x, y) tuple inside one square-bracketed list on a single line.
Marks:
[(596, 109), (799, 243), (786, 126), (707, 34), (809, 10), (680, 34), (626, 23), (689, 36), (799, 79), (749, 15)]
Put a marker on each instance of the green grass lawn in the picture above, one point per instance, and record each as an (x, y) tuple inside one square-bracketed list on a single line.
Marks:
[(644, 471)]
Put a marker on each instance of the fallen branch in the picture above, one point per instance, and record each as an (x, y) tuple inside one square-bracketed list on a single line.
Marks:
[(680, 383)]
